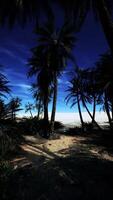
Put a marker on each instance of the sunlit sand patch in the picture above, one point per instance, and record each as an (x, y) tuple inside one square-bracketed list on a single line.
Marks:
[(39, 150), (47, 147), (56, 146)]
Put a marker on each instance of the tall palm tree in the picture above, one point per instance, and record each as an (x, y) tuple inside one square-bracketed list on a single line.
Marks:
[(38, 67), (77, 11), (55, 47), (59, 43)]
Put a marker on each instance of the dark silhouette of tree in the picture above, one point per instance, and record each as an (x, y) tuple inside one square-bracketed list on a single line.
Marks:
[(50, 58), (104, 73), (28, 108), (4, 88), (75, 96), (2, 109), (90, 78), (38, 96), (43, 75), (78, 93), (13, 107), (77, 10)]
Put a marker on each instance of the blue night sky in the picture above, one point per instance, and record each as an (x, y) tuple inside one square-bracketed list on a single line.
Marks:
[(15, 48)]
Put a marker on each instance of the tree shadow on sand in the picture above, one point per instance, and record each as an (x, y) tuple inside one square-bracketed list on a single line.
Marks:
[(78, 174)]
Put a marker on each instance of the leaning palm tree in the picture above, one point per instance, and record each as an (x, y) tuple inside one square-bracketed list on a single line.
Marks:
[(51, 55), (75, 96), (89, 75), (77, 11), (104, 71), (78, 93)]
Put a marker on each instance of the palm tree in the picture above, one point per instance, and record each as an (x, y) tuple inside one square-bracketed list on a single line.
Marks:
[(91, 88), (2, 109), (105, 83), (28, 108), (38, 96), (3, 85), (77, 11), (75, 96), (50, 59), (40, 69), (78, 93), (4, 89), (13, 107)]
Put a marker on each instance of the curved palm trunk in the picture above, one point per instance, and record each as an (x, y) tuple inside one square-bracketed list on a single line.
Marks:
[(107, 111), (94, 110), (54, 104), (106, 22), (80, 113), (90, 114)]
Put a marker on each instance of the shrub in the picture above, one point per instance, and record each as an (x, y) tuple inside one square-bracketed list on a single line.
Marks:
[(58, 125), (9, 140), (5, 170), (89, 126)]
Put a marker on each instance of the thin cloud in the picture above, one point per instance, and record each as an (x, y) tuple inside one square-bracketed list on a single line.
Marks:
[(13, 54), (24, 86)]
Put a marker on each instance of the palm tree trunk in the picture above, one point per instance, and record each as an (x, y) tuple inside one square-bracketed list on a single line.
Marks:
[(80, 113), (54, 104), (106, 22), (112, 109), (39, 107), (94, 110), (46, 118), (107, 110), (45, 109), (90, 114), (31, 114)]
